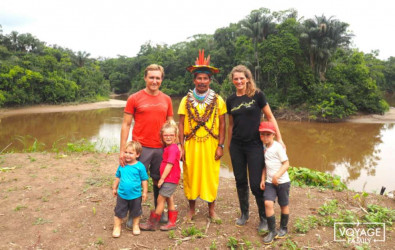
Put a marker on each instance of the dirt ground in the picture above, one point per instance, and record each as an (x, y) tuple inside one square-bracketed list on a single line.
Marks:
[(50, 201)]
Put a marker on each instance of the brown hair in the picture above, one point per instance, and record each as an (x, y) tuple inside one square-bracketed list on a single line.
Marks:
[(135, 145), (154, 67), (251, 86), (169, 125)]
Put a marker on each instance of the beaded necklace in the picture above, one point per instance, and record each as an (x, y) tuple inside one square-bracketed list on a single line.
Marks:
[(210, 103)]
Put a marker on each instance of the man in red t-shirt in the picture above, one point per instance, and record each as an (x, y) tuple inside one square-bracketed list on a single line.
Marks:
[(150, 108)]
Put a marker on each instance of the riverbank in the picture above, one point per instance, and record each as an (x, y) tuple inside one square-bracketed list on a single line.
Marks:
[(56, 201), (112, 103), (388, 117)]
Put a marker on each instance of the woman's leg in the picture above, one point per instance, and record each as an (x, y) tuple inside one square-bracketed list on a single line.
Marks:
[(239, 163)]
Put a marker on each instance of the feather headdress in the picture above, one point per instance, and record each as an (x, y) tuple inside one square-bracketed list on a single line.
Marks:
[(202, 65)]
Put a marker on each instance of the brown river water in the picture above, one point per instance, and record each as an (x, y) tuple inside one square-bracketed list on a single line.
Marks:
[(362, 154)]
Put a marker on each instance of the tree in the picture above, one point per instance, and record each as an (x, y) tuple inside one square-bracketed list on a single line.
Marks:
[(257, 26), (321, 37)]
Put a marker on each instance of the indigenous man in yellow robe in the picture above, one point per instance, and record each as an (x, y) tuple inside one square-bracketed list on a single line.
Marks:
[(202, 135)]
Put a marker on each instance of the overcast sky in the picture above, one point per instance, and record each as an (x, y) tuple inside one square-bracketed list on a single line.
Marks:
[(119, 27)]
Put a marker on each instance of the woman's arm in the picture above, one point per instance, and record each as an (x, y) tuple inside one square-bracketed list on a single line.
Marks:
[(270, 117)]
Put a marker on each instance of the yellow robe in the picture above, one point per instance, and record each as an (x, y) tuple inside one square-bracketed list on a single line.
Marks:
[(201, 170)]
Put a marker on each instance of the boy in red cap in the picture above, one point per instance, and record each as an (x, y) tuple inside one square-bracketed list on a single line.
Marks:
[(275, 181)]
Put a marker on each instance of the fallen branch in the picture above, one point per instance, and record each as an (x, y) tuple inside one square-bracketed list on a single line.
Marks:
[(137, 244), (5, 147), (207, 226)]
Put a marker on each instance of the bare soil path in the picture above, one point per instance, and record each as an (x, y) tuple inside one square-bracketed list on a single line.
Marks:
[(56, 201)]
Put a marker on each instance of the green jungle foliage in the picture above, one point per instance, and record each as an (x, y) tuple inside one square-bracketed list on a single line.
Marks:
[(302, 177), (33, 73), (299, 64)]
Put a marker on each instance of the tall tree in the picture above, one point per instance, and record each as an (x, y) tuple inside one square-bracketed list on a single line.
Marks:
[(258, 26), (321, 37)]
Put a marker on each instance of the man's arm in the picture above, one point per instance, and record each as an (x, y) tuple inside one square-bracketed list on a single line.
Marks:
[(230, 129), (221, 137), (181, 135), (126, 123)]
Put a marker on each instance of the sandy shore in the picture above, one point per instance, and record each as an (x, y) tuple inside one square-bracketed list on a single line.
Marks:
[(388, 117), (112, 103)]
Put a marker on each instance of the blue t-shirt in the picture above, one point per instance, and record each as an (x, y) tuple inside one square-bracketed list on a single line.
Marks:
[(131, 177)]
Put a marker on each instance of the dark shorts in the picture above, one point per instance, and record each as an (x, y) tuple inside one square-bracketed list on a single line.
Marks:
[(167, 189), (123, 206), (152, 158), (281, 191)]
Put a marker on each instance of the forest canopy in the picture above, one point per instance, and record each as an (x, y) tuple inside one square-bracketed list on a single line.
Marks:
[(299, 64)]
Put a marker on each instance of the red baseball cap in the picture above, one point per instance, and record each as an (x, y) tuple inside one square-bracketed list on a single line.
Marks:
[(267, 127)]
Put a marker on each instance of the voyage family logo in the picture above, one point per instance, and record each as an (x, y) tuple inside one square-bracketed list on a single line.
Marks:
[(359, 233)]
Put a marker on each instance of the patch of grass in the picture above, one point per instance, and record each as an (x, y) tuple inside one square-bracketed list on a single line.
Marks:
[(232, 243), (40, 221), (31, 158), (217, 221), (248, 244), (347, 216), (28, 145), (100, 181), (380, 214), (7, 169), (19, 207), (213, 245), (328, 208), (172, 234), (192, 231), (11, 189), (99, 241), (304, 225), (307, 177), (82, 145), (361, 198), (289, 244)]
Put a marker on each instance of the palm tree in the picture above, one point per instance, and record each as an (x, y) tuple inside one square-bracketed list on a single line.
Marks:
[(322, 37), (81, 58), (258, 26)]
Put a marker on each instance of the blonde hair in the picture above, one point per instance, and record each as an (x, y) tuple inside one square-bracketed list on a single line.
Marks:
[(251, 86), (135, 145), (154, 67), (169, 125)]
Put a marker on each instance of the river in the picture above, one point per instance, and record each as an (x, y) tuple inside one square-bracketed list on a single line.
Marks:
[(362, 154)]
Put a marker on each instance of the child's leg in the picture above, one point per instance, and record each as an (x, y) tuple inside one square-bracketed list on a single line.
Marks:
[(282, 232), (284, 209), (269, 207), (116, 232), (136, 226), (283, 201), (160, 204), (172, 215), (170, 203), (120, 210), (270, 197)]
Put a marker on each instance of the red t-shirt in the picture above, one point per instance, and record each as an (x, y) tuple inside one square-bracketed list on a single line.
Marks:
[(171, 154), (149, 113)]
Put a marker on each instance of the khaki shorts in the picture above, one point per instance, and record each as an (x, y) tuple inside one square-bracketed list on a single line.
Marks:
[(167, 189)]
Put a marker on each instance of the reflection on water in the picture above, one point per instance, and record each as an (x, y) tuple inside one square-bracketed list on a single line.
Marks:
[(362, 154)]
